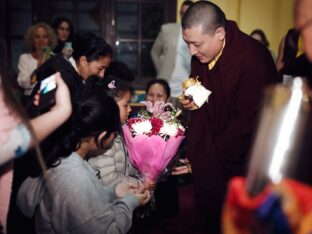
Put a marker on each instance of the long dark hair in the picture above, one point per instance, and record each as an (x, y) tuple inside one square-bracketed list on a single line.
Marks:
[(121, 70), (91, 46), (95, 114), (116, 87), (92, 114), (57, 22), (55, 25), (263, 37), (113, 86)]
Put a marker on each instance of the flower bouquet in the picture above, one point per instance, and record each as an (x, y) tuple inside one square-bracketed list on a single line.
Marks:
[(153, 138)]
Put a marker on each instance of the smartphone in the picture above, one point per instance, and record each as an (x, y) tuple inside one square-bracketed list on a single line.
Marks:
[(68, 45), (46, 53), (47, 93), (67, 50)]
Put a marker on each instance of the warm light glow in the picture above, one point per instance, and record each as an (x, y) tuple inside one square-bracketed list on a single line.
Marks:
[(287, 129)]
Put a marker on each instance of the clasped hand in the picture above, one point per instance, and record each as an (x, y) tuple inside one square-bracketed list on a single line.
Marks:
[(188, 104), (143, 195)]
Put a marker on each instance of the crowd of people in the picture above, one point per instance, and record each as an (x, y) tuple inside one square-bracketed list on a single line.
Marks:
[(75, 175)]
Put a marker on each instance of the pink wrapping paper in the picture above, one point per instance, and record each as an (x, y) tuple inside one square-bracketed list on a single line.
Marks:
[(150, 154)]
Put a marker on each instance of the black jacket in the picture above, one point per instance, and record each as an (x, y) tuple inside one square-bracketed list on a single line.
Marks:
[(70, 76)]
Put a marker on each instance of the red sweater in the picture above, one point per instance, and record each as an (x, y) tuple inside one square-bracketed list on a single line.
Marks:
[(221, 131)]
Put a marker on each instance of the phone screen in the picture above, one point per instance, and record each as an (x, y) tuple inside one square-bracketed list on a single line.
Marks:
[(48, 84), (68, 45), (47, 92)]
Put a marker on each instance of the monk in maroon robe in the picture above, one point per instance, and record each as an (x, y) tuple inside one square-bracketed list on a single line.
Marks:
[(236, 69)]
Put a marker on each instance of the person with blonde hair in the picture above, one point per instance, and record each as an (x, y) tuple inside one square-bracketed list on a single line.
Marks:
[(40, 39)]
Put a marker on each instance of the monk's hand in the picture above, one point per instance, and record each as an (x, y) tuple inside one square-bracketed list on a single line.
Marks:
[(185, 168), (188, 104)]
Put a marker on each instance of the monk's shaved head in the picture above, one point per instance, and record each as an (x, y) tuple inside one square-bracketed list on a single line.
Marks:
[(205, 14)]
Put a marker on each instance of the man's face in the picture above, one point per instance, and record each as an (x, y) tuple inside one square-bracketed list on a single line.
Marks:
[(203, 45), (303, 23)]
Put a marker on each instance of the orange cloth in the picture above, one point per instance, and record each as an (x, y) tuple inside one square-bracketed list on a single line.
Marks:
[(214, 61)]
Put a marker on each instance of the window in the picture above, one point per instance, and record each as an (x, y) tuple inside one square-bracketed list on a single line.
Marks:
[(130, 26), (19, 19), (62, 8), (137, 26)]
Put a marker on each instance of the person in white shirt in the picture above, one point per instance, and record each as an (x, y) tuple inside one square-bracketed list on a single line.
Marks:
[(40, 39), (170, 55)]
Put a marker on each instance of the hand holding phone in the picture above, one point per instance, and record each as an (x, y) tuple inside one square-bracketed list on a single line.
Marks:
[(46, 53), (47, 93), (67, 50)]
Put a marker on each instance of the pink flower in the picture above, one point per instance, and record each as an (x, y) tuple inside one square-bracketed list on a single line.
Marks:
[(157, 109), (150, 121), (150, 154), (166, 116)]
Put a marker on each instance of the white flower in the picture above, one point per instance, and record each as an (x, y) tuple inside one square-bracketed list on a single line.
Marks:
[(170, 129), (143, 127), (181, 127)]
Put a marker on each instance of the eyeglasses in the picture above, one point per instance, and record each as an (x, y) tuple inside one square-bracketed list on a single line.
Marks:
[(307, 24)]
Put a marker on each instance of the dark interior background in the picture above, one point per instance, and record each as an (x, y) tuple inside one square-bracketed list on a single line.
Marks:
[(130, 26)]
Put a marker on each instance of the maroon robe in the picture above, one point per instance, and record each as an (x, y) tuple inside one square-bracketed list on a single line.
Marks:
[(221, 131)]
